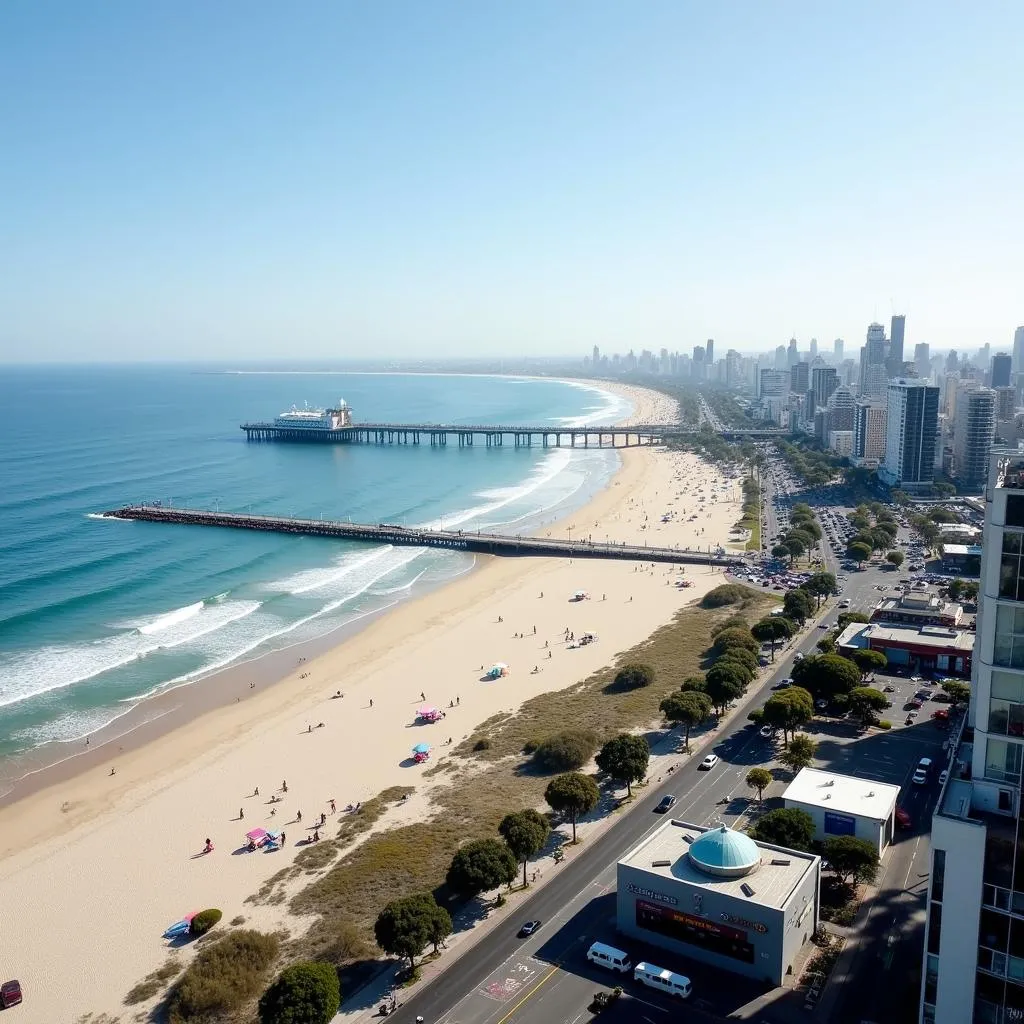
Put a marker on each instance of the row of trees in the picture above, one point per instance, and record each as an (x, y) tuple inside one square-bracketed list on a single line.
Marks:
[(876, 531), (804, 532)]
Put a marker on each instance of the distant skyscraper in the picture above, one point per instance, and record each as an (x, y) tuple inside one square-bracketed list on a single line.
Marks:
[(699, 371), (792, 356), (837, 349), (869, 431), (973, 431), (597, 357), (1018, 350), (873, 373), (1006, 403), (799, 376), (773, 383), (952, 361), (1001, 369), (896, 330), (824, 381), (780, 358), (923, 359), (709, 350), (912, 420), (814, 347)]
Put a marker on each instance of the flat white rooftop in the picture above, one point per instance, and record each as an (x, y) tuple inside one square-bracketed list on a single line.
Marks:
[(843, 794), (938, 637), (664, 854)]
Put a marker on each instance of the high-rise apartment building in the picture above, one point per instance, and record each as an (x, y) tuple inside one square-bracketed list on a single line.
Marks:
[(773, 383), (1018, 350), (896, 329), (1002, 370), (813, 348), (1006, 403), (837, 349), (973, 430), (824, 380), (869, 432), (597, 357), (792, 355), (799, 378), (780, 358), (912, 420), (709, 350), (840, 406), (974, 946), (873, 372), (923, 359)]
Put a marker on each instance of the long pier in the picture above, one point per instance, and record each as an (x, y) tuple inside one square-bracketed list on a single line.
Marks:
[(491, 436), (455, 540)]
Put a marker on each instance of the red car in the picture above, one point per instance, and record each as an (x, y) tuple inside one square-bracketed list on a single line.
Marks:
[(942, 714), (903, 819), (10, 994)]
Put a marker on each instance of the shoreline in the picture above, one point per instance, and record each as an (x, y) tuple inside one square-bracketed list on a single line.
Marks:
[(83, 854), (158, 714)]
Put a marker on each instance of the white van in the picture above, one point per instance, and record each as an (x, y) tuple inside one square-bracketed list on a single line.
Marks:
[(662, 979), (609, 957)]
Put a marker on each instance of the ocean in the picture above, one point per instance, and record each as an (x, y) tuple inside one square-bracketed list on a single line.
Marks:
[(97, 614)]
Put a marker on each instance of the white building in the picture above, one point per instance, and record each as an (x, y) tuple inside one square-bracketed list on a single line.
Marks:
[(974, 946), (973, 429), (869, 420), (912, 419), (841, 442), (842, 805)]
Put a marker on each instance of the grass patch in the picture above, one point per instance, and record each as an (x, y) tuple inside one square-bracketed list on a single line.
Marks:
[(223, 977), (488, 782), (316, 856), (153, 983), (357, 822)]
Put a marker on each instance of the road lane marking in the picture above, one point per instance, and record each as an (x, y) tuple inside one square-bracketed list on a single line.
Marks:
[(529, 995)]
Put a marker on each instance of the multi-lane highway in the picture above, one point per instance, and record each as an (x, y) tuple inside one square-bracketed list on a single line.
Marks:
[(546, 979)]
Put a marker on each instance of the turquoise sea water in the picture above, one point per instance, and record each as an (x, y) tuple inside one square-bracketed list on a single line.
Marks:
[(95, 614)]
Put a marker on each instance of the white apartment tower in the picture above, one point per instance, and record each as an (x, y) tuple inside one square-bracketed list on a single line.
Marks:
[(912, 420), (973, 430), (974, 946)]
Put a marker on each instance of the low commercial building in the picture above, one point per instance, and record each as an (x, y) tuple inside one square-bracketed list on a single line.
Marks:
[(841, 805), (963, 558), (717, 896), (918, 608), (917, 648)]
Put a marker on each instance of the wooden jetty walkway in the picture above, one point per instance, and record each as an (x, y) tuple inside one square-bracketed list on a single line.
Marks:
[(388, 533), (493, 436)]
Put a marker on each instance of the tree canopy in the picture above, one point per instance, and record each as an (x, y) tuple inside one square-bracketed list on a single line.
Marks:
[(625, 757), (958, 692), (867, 703), (788, 710), (868, 661), (565, 751), (687, 708), (724, 684), (825, 675), (800, 752), (633, 676), (526, 832), (772, 629), (852, 859), (787, 826), (895, 558), (481, 865), (305, 993), (798, 605), (405, 926), (736, 636), (573, 794), (759, 779), (859, 551)]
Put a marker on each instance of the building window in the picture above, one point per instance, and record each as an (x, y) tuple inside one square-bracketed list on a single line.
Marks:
[(1011, 575), (995, 897), (938, 874), (1003, 761), (1008, 686), (931, 978), (1006, 718), (934, 927), (1009, 640), (1015, 510)]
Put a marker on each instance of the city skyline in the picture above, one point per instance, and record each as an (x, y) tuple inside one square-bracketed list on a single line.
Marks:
[(234, 183)]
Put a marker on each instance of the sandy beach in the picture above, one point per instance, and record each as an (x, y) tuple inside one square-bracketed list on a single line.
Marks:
[(95, 863)]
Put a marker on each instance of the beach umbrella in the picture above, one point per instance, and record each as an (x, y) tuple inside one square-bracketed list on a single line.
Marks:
[(426, 711), (421, 748), (256, 833)]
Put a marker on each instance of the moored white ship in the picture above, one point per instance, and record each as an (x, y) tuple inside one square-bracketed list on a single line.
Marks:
[(315, 419)]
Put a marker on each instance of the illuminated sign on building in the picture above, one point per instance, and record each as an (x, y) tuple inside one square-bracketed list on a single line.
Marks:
[(638, 890)]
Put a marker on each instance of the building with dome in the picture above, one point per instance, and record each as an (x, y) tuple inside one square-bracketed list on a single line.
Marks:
[(717, 896)]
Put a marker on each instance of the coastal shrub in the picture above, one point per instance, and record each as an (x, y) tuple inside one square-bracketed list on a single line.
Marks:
[(484, 744), (153, 983), (884, 724), (531, 745), (305, 993), (738, 621), (727, 593), (736, 637), (203, 922), (223, 976), (633, 676), (565, 751)]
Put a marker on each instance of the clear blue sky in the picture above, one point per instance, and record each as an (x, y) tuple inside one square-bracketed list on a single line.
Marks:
[(183, 179)]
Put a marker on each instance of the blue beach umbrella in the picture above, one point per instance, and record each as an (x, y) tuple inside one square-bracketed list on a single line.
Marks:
[(421, 748)]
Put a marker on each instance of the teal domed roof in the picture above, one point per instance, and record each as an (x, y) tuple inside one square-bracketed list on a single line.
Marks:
[(723, 852)]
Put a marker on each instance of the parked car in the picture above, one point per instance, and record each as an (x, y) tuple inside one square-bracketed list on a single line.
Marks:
[(708, 763), (10, 994), (903, 819)]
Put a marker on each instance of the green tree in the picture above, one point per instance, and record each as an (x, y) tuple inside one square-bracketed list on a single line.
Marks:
[(868, 661), (958, 692), (970, 590), (867, 704), (800, 752), (742, 657), (797, 606), (955, 589), (405, 926), (794, 546), (686, 709), (825, 675), (625, 757), (526, 832), (901, 498), (772, 629), (694, 684), (724, 684), (780, 551), (759, 779), (859, 551), (845, 618), (788, 710), (736, 637), (852, 859), (633, 676), (305, 993), (573, 794), (943, 490), (565, 751), (480, 866), (788, 827), (805, 538), (895, 558), (821, 584), (734, 621)]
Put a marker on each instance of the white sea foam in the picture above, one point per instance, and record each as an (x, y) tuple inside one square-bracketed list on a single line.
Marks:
[(57, 667), (317, 579), (162, 622)]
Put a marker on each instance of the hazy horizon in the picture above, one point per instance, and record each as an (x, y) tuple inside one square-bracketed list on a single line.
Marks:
[(235, 183)]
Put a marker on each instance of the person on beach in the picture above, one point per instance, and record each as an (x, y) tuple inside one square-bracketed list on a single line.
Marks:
[(333, 805), (298, 815), (241, 813), (112, 771), (256, 791), (458, 700), (284, 786), (423, 696), (371, 702), (273, 811)]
